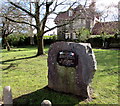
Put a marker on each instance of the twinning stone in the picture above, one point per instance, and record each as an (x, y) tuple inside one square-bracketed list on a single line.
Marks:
[(71, 67)]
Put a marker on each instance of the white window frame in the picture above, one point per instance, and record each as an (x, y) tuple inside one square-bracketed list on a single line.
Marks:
[(70, 13), (67, 36)]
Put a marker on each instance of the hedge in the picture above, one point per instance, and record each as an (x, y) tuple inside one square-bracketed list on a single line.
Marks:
[(18, 39), (96, 41), (111, 42)]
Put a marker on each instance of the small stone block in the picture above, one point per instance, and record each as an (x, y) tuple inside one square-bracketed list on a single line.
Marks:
[(46, 103), (7, 95)]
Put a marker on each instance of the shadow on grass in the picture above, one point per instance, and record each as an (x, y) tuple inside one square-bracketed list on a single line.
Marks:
[(12, 51), (47, 94), (11, 65), (20, 48), (17, 59)]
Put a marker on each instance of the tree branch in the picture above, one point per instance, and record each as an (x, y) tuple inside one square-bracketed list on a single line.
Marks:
[(20, 22), (43, 21), (56, 5), (85, 3), (19, 7), (56, 27), (47, 27)]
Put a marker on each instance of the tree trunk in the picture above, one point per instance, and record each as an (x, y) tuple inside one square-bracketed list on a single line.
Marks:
[(7, 44), (40, 46)]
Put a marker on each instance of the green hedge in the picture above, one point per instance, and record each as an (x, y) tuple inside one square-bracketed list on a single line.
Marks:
[(110, 41), (18, 39), (50, 37)]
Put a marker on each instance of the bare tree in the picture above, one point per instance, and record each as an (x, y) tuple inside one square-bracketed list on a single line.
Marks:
[(7, 26), (6, 30), (40, 13)]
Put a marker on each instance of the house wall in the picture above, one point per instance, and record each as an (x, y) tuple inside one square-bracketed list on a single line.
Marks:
[(119, 10), (80, 23), (119, 15), (69, 29)]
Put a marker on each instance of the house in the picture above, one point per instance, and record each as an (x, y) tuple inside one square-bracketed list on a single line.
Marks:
[(79, 17), (0, 31), (106, 27), (119, 10), (119, 15)]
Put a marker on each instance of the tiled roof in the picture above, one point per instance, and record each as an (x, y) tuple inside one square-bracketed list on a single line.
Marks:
[(107, 27)]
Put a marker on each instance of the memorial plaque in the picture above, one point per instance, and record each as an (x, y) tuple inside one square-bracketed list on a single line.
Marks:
[(67, 58), (71, 67)]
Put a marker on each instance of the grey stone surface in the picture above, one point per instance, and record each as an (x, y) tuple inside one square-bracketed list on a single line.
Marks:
[(7, 96), (46, 103), (76, 79)]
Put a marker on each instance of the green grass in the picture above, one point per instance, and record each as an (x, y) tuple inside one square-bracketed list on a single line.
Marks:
[(27, 76), (106, 36)]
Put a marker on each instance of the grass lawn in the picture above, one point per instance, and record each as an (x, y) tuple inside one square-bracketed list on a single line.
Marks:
[(27, 76)]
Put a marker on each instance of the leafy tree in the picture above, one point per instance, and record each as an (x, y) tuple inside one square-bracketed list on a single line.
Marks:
[(82, 34), (16, 39)]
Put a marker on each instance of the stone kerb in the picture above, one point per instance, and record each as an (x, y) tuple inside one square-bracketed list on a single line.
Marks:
[(74, 79)]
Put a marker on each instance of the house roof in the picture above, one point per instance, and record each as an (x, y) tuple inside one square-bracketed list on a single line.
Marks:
[(78, 11), (107, 27)]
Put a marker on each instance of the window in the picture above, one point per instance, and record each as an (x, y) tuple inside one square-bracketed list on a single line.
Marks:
[(67, 35), (70, 12), (84, 21), (74, 36)]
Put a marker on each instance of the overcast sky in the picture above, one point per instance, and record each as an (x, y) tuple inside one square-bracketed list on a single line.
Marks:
[(100, 5), (107, 2)]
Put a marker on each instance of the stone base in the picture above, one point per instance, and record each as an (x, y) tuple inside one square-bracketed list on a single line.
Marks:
[(85, 94)]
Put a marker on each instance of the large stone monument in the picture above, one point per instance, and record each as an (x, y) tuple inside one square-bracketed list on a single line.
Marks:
[(71, 67)]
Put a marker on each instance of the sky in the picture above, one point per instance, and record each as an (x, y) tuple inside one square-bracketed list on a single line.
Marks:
[(100, 5), (107, 2)]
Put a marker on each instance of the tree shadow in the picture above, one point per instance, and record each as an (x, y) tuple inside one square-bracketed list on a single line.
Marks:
[(10, 60), (11, 65), (57, 98), (13, 51)]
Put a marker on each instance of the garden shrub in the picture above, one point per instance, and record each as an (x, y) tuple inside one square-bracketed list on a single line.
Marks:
[(97, 41), (49, 39), (16, 39), (82, 34)]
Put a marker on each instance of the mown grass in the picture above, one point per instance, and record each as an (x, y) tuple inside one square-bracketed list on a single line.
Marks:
[(27, 76)]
